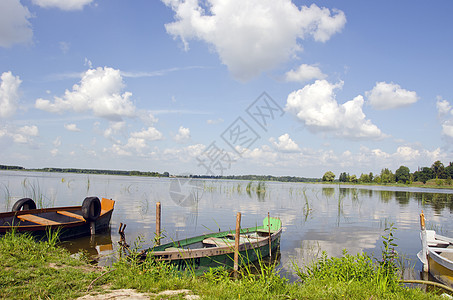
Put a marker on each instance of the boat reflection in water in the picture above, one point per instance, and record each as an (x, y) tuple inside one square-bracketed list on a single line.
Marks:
[(98, 248)]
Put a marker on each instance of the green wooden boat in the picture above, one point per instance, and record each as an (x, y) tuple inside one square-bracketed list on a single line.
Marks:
[(213, 250)]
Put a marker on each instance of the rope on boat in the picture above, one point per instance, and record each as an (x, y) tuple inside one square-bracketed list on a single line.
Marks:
[(443, 286)]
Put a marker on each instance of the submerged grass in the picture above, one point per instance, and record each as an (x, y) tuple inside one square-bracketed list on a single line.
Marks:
[(33, 269)]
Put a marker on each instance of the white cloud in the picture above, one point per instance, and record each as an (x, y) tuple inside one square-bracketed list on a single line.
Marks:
[(54, 152), (285, 144), (71, 127), (114, 128), (315, 105), (255, 35), (390, 95), (25, 134), (20, 135), (445, 112), (184, 154), (63, 4), (304, 73), (118, 150), (9, 94), (137, 141), (443, 107), (14, 25), (183, 135), (447, 129), (99, 91), (150, 134)]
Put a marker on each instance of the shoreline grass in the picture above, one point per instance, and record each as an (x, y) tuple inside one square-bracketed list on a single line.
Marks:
[(32, 269)]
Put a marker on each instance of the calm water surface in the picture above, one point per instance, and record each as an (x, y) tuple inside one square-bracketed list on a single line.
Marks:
[(316, 217)]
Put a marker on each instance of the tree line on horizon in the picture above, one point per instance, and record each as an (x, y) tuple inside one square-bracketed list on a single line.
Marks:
[(166, 174), (88, 171), (402, 175)]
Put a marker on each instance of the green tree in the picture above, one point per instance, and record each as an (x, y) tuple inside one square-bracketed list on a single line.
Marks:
[(328, 176), (438, 169), (449, 171), (402, 175), (387, 176), (364, 178), (424, 175), (353, 179), (344, 177)]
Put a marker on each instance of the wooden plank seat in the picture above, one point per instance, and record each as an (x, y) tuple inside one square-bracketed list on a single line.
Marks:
[(70, 214), (174, 249), (218, 242), (38, 220)]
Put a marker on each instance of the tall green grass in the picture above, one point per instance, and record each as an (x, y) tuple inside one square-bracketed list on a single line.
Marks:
[(42, 270)]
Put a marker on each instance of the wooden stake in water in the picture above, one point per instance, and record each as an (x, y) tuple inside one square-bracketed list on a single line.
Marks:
[(236, 241), (270, 239), (424, 253), (158, 214)]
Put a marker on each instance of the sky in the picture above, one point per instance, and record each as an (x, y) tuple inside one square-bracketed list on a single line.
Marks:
[(222, 87)]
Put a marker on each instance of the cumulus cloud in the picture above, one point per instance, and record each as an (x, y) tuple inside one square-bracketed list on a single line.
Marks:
[(445, 112), (137, 142), (20, 135), (14, 25), (99, 90), (63, 5), (285, 144), (9, 94), (404, 155), (71, 127), (184, 154), (25, 134), (390, 95), (255, 35), (183, 135), (114, 128), (304, 73), (149, 134), (443, 106), (316, 106)]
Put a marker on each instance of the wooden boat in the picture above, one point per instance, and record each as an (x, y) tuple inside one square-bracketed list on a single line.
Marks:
[(436, 254), (73, 221), (217, 249)]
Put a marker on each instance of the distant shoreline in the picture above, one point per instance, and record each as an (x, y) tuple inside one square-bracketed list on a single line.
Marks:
[(433, 183)]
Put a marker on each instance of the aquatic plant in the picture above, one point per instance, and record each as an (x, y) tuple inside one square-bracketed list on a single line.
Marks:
[(33, 191), (7, 194)]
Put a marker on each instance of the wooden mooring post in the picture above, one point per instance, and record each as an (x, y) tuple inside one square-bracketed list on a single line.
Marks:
[(270, 237), (158, 220), (236, 242)]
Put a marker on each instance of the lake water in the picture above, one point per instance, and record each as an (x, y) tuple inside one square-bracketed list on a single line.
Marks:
[(315, 217)]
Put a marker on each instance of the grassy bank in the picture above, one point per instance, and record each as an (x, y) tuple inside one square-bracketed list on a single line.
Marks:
[(43, 270), (430, 184)]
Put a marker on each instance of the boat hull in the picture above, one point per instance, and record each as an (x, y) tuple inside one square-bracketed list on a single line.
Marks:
[(67, 227), (439, 271), (225, 258), (199, 254)]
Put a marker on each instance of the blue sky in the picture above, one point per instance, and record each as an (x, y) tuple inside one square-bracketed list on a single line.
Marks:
[(177, 86)]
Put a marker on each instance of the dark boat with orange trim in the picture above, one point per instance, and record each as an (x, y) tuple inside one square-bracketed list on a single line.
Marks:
[(73, 221)]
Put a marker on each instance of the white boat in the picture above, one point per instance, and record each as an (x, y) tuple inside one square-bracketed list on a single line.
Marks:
[(436, 254)]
